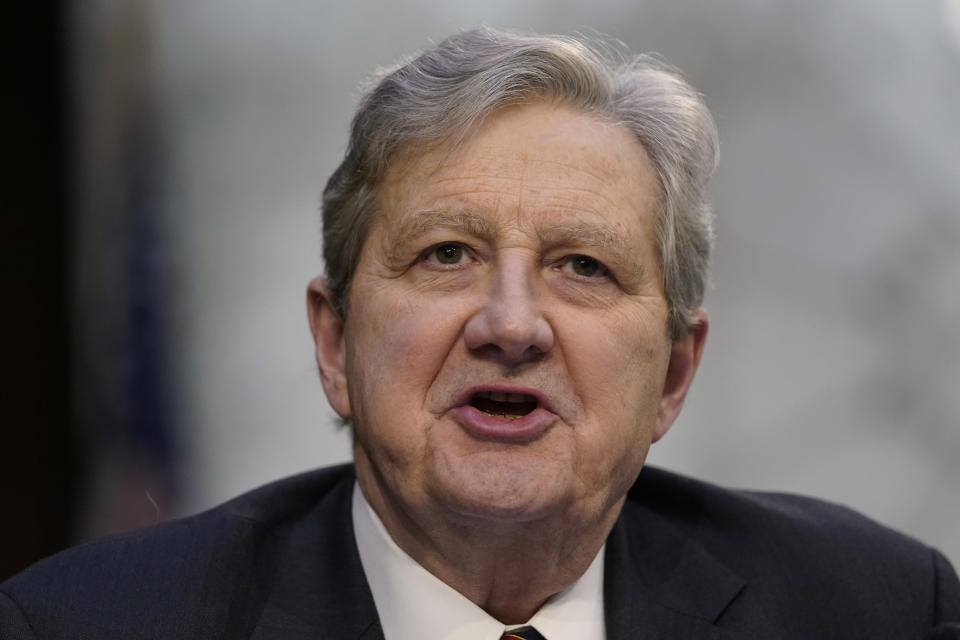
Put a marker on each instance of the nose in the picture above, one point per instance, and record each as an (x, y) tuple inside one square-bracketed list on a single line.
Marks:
[(510, 324)]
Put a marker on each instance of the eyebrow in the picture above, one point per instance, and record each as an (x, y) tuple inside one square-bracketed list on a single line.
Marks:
[(422, 221), (588, 235), (591, 235)]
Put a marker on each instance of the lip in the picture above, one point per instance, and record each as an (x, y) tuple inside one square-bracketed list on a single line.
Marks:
[(542, 401), (487, 427)]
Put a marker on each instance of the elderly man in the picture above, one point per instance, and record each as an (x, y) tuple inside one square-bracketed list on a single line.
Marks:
[(517, 245)]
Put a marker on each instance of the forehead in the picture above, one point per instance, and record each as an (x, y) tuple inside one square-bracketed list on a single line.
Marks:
[(526, 166)]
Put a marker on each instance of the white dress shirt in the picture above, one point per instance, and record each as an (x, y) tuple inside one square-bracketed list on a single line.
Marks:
[(414, 604)]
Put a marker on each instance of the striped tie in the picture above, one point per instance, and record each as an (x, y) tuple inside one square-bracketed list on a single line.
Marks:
[(523, 633)]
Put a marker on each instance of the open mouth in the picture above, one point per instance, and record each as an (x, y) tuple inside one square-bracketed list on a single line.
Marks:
[(504, 405)]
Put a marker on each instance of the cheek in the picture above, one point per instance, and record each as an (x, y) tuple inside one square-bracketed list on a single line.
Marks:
[(395, 350), (618, 371), (618, 367)]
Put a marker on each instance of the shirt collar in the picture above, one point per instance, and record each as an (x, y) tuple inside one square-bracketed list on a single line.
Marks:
[(413, 604)]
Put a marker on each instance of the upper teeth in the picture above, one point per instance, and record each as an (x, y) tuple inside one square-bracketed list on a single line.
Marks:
[(501, 396)]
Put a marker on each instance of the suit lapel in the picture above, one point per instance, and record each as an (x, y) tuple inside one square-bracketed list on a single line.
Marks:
[(661, 584), (319, 590)]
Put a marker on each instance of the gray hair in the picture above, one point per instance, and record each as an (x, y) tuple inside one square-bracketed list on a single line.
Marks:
[(447, 91)]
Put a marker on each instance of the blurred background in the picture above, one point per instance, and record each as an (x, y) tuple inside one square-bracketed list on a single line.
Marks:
[(161, 224)]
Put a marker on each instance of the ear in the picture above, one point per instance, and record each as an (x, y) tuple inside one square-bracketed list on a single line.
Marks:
[(327, 329), (684, 360)]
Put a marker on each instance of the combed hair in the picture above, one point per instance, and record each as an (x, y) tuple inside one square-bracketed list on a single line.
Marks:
[(444, 93)]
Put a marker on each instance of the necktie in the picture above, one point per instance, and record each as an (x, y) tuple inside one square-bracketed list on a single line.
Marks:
[(523, 633)]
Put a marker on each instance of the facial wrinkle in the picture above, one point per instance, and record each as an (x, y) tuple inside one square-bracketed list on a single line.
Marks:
[(570, 168), (521, 186)]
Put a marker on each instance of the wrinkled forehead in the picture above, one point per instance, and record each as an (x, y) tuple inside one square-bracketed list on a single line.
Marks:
[(538, 164)]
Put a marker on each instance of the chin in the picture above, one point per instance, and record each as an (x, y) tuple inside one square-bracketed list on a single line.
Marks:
[(494, 489)]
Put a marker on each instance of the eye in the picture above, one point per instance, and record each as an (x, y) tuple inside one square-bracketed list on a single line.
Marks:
[(448, 253), (584, 266)]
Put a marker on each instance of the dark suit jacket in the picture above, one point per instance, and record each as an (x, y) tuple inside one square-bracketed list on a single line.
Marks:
[(685, 560)]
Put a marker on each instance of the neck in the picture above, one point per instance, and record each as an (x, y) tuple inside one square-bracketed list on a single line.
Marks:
[(507, 568)]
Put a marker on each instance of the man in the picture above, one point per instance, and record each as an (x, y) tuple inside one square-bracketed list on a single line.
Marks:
[(517, 245)]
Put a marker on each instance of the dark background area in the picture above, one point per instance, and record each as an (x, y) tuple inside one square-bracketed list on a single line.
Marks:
[(38, 450)]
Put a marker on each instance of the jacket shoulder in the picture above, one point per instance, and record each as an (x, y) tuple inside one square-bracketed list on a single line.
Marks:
[(182, 576), (798, 554), (723, 517)]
